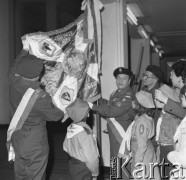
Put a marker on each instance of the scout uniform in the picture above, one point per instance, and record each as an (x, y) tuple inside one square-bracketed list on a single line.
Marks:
[(175, 108), (81, 144), (159, 74), (142, 150), (155, 111), (30, 143), (119, 108), (171, 116)]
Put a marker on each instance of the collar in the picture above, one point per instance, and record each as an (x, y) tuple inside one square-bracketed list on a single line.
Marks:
[(183, 90), (122, 91), (76, 128), (152, 89)]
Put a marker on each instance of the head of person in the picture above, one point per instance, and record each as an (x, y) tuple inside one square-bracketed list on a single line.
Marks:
[(30, 67), (152, 76), (78, 110), (123, 77), (178, 74), (144, 100)]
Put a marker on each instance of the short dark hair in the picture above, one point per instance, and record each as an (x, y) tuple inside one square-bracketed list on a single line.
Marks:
[(179, 68)]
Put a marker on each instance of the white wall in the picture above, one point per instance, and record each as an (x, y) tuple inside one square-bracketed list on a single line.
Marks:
[(4, 61), (114, 54)]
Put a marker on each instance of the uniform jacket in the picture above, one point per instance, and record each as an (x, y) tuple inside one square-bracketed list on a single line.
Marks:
[(155, 111), (31, 142), (175, 108), (141, 146), (80, 144), (119, 107), (43, 109), (168, 126)]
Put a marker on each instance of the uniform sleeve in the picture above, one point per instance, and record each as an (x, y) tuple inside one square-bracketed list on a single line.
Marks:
[(46, 108), (142, 138), (114, 110), (174, 108), (89, 149)]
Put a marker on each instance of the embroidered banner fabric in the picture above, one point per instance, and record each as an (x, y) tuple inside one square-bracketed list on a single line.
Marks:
[(71, 66)]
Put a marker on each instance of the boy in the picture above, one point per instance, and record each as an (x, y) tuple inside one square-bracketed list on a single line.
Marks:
[(80, 143)]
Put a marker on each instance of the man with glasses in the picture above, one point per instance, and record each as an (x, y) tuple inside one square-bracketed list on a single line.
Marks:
[(152, 80)]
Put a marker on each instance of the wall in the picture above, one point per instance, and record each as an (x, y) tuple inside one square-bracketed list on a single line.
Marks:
[(114, 54), (165, 67), (4, 61), (136, 45), (155, 59)]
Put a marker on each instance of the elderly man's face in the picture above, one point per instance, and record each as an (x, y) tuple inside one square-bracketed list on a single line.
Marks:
[(149, 78), (122, 81)]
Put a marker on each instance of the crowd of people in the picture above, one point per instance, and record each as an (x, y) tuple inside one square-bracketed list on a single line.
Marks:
[(147, 127)]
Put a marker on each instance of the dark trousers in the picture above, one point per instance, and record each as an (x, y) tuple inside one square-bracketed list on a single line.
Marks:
[(114, 149), (31, 153), (166, 166), (78, 170)]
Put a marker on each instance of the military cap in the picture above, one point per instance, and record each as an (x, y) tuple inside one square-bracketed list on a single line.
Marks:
[(77, 110), (30, 66), (122, 70), (156, 71)]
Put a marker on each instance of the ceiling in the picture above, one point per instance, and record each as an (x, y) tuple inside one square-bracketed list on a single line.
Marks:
[(165, 21)]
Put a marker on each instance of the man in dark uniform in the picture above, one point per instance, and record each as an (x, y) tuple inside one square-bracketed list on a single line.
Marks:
[(118, 107), (30, 143)]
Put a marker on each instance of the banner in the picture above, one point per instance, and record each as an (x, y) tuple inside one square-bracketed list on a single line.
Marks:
[(70, 58)]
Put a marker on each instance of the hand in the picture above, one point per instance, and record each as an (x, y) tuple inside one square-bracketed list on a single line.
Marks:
[(90, 105), (25, 45), (94, 178), (183, 100), (102, 101), (160, 96)]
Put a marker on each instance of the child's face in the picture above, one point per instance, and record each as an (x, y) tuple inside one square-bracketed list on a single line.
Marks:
[(183, 100)]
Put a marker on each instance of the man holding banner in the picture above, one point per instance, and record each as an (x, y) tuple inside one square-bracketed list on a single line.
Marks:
[(32, 107), (118, 111)]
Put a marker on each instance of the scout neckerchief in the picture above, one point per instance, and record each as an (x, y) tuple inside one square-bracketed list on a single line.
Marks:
[(20, 116)]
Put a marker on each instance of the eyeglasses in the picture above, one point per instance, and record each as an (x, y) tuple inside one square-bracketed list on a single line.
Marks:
[(147, 77)]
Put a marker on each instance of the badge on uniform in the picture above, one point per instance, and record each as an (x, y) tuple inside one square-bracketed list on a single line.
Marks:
[(141, 129), (118, 104)]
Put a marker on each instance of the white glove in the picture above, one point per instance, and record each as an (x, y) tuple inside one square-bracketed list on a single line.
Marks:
[(25, 45), (90, 105)]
